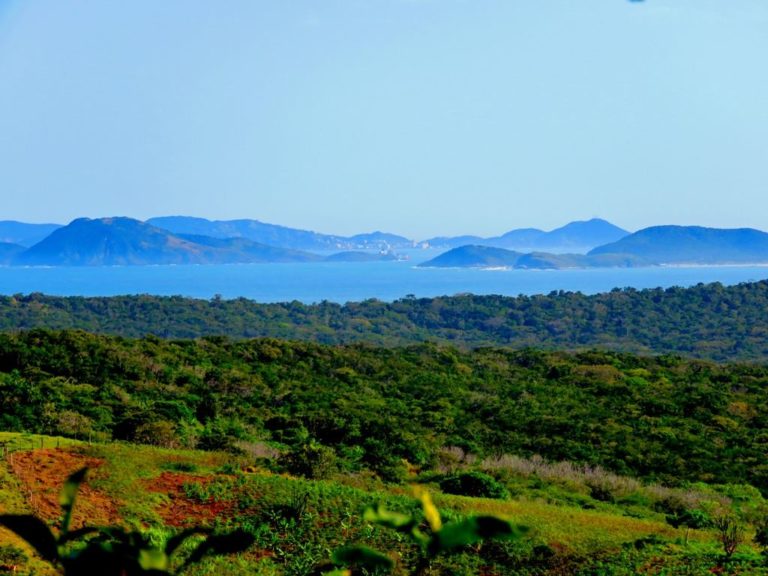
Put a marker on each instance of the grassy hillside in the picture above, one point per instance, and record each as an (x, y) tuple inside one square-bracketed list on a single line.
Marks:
[(705, 321), (298, 522)]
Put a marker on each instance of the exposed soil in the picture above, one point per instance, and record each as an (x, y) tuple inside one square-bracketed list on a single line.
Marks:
[(42, 474), (182, 511)]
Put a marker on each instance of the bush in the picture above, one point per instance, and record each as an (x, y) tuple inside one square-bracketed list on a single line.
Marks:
[(475, 484), (312, 460)]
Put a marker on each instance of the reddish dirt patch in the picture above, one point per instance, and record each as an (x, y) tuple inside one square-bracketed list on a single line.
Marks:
[(42, 474), (182, 510)]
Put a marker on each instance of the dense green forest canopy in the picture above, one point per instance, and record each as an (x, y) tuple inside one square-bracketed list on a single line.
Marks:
[(705, 321), (661, 418)]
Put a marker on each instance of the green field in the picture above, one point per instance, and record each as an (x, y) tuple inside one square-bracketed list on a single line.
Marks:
[(298, 522)]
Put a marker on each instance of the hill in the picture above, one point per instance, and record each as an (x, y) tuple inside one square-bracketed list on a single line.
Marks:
[(474, 257), (23, 233), (581, 235), (705, 321), (279, 236), (125, 241), (692, 245), (491, 257)]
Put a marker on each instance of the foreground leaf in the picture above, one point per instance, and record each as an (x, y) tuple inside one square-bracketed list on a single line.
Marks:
[(35, 532), (384, 517), (237, 541), (69, 495), (362, 556), (473, 530)]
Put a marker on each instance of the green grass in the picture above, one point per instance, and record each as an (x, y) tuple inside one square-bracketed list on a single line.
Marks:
[(297, 523)]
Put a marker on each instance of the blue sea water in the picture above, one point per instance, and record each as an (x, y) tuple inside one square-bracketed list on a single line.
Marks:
[(345, 282)]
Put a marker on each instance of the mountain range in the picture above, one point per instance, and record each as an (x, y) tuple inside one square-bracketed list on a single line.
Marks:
[(125, 241), (186, 240), (654, 246), (579, 236), (282, 236)]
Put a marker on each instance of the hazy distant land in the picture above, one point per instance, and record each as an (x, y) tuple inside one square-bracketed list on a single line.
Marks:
[(594, 243)]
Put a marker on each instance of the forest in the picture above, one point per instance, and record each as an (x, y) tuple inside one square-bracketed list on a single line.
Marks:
[(384, 409), (709, 321)]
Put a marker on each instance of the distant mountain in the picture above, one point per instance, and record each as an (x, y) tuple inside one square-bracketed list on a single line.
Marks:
[(492, 257), (280, 236), (692, 245), (474, 257), (125, 241), (581, 235), (578, 236), (524, 238), (24, 234), (9, 251), (648, 247)]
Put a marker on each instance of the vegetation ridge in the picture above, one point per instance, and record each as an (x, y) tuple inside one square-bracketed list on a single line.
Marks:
[(709, 321)]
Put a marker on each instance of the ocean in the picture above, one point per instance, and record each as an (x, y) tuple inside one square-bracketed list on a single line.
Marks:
[(345, 282)]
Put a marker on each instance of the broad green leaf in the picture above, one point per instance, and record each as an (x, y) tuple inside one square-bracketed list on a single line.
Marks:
[(362, 556), (153, 559), (79, 533), (68, 497), (231, 543), (396, 521), (384, 517), (35, 532), (473, 530)]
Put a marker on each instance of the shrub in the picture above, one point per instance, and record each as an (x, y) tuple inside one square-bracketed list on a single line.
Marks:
[(475, 484), (312, 460), (729, 532), (159, 433)]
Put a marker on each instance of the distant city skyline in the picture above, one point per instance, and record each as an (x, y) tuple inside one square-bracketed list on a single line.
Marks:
[(416, 117)]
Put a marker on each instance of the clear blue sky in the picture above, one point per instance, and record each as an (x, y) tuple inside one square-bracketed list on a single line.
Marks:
[(419, 117)]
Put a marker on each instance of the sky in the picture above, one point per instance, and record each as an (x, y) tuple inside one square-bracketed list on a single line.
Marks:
[(417, 117)]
